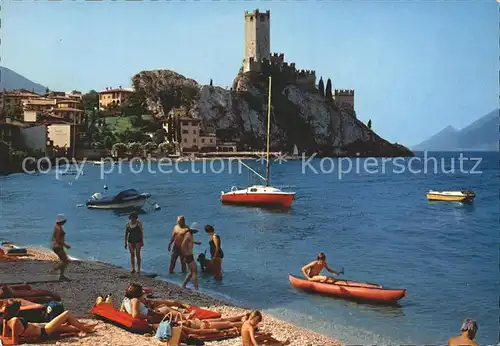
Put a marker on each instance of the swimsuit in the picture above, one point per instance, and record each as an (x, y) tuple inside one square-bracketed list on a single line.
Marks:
[(134, 234), (176, 251), (55, 246), (143, 309), (220, 254), (188, 259), (43, 332)]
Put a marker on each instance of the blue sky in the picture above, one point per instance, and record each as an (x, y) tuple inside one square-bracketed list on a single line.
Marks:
[(416, 66)]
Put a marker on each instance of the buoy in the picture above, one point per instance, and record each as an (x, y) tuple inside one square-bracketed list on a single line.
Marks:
[(105, 187), (157, 207)]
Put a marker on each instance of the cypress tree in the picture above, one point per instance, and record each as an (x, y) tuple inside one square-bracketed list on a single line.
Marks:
[(328, 89), (321, 87), (369, 124)]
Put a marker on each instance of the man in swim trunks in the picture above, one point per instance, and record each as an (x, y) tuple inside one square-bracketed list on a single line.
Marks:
[(468, 333), (178, 233), (312, 270), (187, 253)]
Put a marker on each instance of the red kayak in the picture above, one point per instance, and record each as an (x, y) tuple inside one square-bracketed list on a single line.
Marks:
[(350, 289)]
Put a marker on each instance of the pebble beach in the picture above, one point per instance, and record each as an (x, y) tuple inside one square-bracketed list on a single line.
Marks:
[(91, 279)]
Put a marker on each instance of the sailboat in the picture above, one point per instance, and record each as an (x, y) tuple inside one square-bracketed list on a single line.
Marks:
[(260, 195)]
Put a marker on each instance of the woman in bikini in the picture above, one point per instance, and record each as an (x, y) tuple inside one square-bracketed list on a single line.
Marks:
[(20, 329), (152, 310), (216, 253), (58, 245), (134, 240)]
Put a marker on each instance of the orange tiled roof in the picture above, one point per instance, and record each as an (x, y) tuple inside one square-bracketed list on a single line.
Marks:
[(114, 90)]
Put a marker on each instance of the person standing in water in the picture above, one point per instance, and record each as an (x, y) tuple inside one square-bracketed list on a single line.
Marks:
[(187, 253), (134, 240), (178, 233), (58, 245), (216, 252)]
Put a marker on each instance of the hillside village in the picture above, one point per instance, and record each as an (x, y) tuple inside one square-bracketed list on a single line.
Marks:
[(136, 121)]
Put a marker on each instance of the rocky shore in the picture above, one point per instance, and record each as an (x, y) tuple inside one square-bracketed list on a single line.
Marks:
[(90, 279)]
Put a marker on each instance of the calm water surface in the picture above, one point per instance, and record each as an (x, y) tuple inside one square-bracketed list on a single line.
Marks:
[(379, 227)]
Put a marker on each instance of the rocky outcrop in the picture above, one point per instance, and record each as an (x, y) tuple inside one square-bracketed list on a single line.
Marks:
[(300, 115)]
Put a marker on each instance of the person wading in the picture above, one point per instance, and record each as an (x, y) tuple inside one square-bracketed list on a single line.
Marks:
[(216, 252), (58, 245), (467, 335), (187, 253), (178, 233), (134, 240)]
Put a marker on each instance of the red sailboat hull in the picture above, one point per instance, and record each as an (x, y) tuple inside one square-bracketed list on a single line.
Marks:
[(351, 290), (283, 200)]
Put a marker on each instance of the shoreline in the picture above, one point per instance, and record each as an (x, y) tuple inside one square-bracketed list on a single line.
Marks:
[(92, 278)]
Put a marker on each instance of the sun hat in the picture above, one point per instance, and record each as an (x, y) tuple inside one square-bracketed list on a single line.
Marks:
[(61, 218), (194, 227)]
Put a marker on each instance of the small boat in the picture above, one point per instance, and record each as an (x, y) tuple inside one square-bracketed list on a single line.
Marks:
[(353, 290), (453, 196), (125, 199), (260, 195)]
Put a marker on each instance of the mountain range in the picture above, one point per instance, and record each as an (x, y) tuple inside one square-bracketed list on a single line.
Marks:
[(11, 80), (482, 134)]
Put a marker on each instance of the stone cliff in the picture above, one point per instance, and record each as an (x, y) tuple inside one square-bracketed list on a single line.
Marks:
[(300, 115)]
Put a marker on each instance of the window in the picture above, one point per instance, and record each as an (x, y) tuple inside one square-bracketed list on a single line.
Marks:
[(211, 140), (185, 132), (203, 140), (194, 132), (185, 123), (194, 140), (253, 190), (185, 140)]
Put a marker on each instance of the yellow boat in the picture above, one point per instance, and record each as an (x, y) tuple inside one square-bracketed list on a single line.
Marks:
[(451, 196)]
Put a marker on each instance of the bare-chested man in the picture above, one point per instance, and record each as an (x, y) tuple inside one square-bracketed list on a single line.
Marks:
[(180, 229), (187, 254), (466, 338), (313, 269)]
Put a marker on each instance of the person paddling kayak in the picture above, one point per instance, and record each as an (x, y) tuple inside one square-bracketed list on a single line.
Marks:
[(313, 270)]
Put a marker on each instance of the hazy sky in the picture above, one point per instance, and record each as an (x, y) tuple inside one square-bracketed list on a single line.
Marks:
[(416, 66)]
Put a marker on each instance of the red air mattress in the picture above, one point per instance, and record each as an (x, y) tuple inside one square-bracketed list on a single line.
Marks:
[(121, 319), (204, 314)]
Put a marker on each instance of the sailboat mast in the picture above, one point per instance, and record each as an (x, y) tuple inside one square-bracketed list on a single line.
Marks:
[(268, 131)]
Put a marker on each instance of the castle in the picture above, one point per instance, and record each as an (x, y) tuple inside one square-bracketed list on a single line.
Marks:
[(258, 57)]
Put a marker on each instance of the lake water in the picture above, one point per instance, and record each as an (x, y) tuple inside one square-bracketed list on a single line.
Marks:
[(379, 227)]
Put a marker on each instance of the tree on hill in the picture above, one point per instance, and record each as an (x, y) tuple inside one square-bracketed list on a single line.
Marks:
[(369, 124), (120, 148), (211, 82), (321, 87), (135, 104), (328, 89), (90, 100)]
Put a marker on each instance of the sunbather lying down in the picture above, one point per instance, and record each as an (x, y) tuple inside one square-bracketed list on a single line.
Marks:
[(20, 329), (211, 326), (153, 310)]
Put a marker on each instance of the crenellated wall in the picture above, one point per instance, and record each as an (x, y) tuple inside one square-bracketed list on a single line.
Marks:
[(344, 97)]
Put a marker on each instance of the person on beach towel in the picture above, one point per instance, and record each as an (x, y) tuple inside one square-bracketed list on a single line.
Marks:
[(248, 329), (58, 245), (134, 240), (312, 270), (178, 233), (152, 310), (468, 333), (187, 253), (21, 329)]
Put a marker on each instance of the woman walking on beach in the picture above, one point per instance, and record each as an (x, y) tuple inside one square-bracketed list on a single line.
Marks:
[(216, 252), (134, 240), (58, 245), (21, 329)]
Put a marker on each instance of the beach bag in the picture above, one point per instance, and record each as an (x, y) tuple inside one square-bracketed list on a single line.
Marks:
[(169, 330), (52, 310)]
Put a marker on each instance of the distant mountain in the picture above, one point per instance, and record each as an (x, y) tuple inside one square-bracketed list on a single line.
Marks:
[(11, 80), (482, 134)]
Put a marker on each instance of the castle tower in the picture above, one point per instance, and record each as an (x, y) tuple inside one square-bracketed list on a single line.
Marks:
[(257, 38)]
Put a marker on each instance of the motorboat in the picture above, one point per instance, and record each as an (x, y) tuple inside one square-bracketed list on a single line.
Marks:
[(451, 196), (260, 195), (123, 200)]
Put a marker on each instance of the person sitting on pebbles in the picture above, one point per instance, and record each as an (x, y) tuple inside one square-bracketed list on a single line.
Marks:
[(153, 310), (22, 330), (249, 337)]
